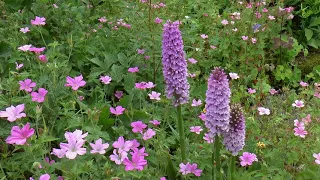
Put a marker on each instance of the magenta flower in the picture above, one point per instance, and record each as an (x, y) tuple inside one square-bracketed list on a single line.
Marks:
[(105, 79), (190, 169), (103, 19), (38, 21), (202, 116), (139, 152), (44, 177), (263, 111), (300, 131), (247, 159), (141, 51), (196, 102), (13, 113), (154, 95), (133, 69), (73, 147), (253, 40), (141, 85), (148, 134), (245, 38), (43, 58), (208, 138), (297, 123), (138, 126), (122, 145), (196, 129), (37, 50), (303, 84), (155, 122), (60, 153), (25, 48), (77, 134), (158, 20), (150, 85), (137, 163), (117, 111), (19, 66), (224, 22), (118, 158), (39, 96), (118, 94), (264, 10), (307, 119), (273, 91), (298, 104), (24, 30), (75, 83), (163, 178), (27, 85), (192, 60), (317, 156), (98, 147), (135, 144), (147, 57), (19, 136), (251, 91)]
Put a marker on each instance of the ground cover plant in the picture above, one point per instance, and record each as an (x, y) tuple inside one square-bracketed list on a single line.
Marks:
[(144, 89)]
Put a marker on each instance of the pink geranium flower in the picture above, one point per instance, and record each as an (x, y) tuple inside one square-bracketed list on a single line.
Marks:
[(19, 66), (39, 96), (298, 104), (135, 144), (208, 138), (300, 131), (118, 157), (75, 83), (263, 111), (150, 85), (122, 145), (155, 122), (137, 163), (60, 153), (307, 119), (74, 146), (117, 111), (138, 126), (317, 156), (133, 69), (273, 91), (154, 95), (105, 79), (204, 36), (38, 21), (196, 102), (98, 147), (196, 129), (37, 50), (27, 85), (43, 58), (192, 60), (190, 169), (202, 116), (141, 51), (297, 123), (139, 152), (224, 22), (118, 94), (158, 20), (234, 75), (303, 84), (25, 47), (103, 19), (253, 40), (251, 91), (24, 30), (247, 159), (148, 134), (44, 177), (13, 113), (19, 136), (245, 38)]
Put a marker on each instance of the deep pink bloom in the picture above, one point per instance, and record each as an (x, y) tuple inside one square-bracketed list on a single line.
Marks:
[(273, 91), (297, 123), (98, 147), (43, 58), (155, 122), (37, 50), (44, 177), (118, 94), (39, 96), (298, 104), (117, 111), (38, 21), (317, 156), (27, 85), (25, 47), (24, 30), (141, 51), (196, 102), (75, 83), (139, 152), (13, 113), (247, 159), (138, 126), (154, 95), (150, 85), (141, 85), (190, 169), (163, 178), (307, 119), (196, 129), (133, 69), (148, 134), (122, 145), (137, 163), (118, 158), (158, 20), (303, 84), (19, 136), (202, 116), (135, 144), (258, 15), (147, 57), (264, 10), (251, 91), (300, 131), (105, 79)]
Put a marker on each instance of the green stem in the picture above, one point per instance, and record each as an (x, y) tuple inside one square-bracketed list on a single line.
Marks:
[(217, 146), (231, 168), (213, 162), (43, 38), (181, 134)]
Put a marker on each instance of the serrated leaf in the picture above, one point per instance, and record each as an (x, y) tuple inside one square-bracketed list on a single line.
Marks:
[(308, 33), (117, 73)]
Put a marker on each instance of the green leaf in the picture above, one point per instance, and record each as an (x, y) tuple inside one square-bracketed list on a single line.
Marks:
[(308, 33), (117, 73), (104, 119), (314, 21), (314, 43), (171, 171), (5, 50)]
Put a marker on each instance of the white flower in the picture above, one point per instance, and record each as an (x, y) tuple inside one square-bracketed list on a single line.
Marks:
[(233, 75), (263, 111)]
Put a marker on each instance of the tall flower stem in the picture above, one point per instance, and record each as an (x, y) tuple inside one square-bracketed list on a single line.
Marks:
[(181, 134), (217, 147), (213, 163), (231, 168)]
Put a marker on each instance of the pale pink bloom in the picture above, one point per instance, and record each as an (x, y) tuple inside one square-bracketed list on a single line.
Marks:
[(37, 50), (249, 6), (75, 83), (304, 84), (118, 158), (234, 75), (196, 102), (155, 122), (25, 47), (27, 85), (193, 168), (139, 152), (77, 134), (184, 168), (317, 156), (44, 177), (39, 96), (163, 178), (141, 85), (105, 79), (148, 134), (81, 98), (213, 47), (19, 66), (264, 10), (271, 17), (99, 147), (43, 58), (138, 126), (24, 30), (205, 15), (263, 111), (307, 119), (258, 15), (291, 16), (73, 147), (133, 69), (273, 91), (137, 163), (297, 123), (38, 21), (192, 60), (191, 75), (253, 40), (247, 159), (158, 20), (316, 94), (298, 104), (117, 111), (224, 22), (60, 153), (208, 138), (122, 145), (154, 95), (13, 113), (196, 129), (300, 131), (162, 5), (118, 94), (103, 19), (202, 116), (147, 57), (150, 85), (204, 36), (55, 6), (135, 144), (19, 136), (141, 51), (289, 9), (245, 38), (251, 91)]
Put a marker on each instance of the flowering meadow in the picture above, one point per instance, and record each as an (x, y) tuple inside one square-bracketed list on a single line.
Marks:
[(159, 89)]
